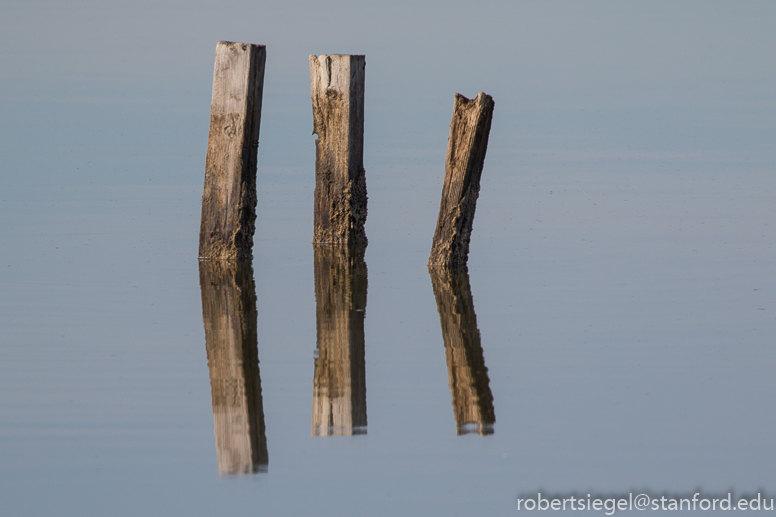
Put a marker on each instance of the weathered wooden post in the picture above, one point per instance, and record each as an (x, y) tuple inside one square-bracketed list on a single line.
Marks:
[(337, 89), (229, 196), (466, 149)]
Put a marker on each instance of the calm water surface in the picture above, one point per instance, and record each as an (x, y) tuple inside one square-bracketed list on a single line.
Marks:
[(614, 330)]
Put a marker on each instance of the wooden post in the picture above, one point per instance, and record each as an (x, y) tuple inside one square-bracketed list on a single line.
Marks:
[(466, 149), (337, 89), (229, 316), (229, 196), (466, 370), (339, 382)]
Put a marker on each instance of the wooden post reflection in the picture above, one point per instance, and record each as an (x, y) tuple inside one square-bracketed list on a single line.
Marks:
[(339, 385), (466, 370), (229, 316)]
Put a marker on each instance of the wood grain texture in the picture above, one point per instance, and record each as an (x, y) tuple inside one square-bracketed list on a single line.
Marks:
[(337, 91), (339, 383), (466, 370), (466, 148), (229, 316), (229, 195)]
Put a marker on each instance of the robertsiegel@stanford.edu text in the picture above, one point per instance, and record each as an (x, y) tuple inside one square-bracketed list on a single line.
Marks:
[(642, 501)]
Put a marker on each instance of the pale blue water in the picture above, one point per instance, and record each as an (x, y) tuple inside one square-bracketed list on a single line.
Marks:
[(623, 261)]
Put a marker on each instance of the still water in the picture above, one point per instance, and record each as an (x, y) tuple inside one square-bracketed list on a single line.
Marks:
[(614, 331)]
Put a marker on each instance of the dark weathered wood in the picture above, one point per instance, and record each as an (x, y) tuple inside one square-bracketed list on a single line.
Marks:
[(229, 316), (229, 197), (337, 88), (466, 149), (339, 384), (466, 370)]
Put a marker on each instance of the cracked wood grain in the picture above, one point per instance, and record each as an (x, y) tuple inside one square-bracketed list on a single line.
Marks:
[(466, 149), (229, 195), (337, 91)]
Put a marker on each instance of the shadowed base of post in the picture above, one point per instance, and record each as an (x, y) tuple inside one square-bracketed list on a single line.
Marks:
[(339, 384), (229, 316), (466, 370)]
